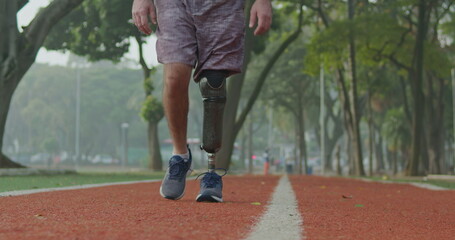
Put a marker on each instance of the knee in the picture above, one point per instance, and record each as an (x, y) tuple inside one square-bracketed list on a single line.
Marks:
[(175, 84)]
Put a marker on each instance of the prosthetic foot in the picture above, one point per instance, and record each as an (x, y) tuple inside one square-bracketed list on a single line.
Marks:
[(213, 89)]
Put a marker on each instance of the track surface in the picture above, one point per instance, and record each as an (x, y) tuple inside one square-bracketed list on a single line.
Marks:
[(136, 211), (373, 210)]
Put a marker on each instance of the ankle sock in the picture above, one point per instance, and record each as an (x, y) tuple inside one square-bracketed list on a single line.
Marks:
[(185, 156)]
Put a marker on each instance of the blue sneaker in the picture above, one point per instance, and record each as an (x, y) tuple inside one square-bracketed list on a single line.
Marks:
[(173, 185), (211, 187)]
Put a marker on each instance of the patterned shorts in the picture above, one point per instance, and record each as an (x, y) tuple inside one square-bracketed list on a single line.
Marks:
[(205, 34)]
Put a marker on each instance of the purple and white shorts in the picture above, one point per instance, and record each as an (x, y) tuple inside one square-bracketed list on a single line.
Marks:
[(204, 34)]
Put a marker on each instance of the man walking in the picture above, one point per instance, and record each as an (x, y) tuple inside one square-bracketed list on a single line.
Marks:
[(207, 35)]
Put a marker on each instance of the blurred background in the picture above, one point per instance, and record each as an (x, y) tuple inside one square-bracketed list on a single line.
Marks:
[(355, 87)]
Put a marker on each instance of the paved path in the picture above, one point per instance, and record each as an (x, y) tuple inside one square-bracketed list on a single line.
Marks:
[(255, 207)]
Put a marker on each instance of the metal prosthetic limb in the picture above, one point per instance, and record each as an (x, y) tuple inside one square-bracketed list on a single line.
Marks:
[(213, 90)]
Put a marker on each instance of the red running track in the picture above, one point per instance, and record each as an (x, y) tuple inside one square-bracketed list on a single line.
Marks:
[(135, 211), (373, 210), (332, 208)]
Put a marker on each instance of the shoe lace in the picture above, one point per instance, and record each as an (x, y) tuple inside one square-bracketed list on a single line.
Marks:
[(177, 169), (211, 179)]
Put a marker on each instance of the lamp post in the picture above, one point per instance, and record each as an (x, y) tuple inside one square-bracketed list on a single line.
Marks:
[(125, 143), (321, 118), (78, 116)]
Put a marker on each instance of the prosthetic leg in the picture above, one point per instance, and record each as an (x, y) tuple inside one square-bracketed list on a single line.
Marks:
[(213, 90)]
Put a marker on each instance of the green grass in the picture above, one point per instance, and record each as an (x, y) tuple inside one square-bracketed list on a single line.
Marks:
[(439, 183), (10, 183)]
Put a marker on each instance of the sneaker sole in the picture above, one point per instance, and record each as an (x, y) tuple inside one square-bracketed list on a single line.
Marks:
[(208, 198), (171, 198), (177, 198)]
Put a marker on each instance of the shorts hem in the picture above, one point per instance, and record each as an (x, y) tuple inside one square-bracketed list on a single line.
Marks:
[(168, 61)]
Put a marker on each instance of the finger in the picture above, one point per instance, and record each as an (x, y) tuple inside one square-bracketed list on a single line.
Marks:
[(152, 13), (263, 25), (137, 22), (253, 16), (144, 25), (259, 30), (268, 23), (260, 27)]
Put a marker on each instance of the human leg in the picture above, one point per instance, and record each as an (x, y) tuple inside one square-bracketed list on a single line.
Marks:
[(175, 101), (176, 49)]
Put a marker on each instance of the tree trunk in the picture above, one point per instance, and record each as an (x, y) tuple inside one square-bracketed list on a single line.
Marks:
[(156, 162), (412, 168), (232, 125), (250, 147), (243, 151), (370, 135), (5, 162), (338, 160), (235, 85), (435, 123), (379, 154), (298, 156), (394, 162), (347, 117), (303, 162), (331, 137), (18, 51), (355, 118), (332, 141), (7, 87), (234, 89)]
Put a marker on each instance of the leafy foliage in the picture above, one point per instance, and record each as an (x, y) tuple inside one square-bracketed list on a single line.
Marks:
[(152, 110), (98, 29), (41, 113), (396, 129)]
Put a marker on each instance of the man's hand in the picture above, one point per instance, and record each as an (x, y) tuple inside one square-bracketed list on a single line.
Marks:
[(141, 10), (262, 11)]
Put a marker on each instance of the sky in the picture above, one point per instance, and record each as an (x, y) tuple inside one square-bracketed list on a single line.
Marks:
[(28, 12)]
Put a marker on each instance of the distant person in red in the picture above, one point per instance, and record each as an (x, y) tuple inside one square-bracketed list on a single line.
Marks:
[(207, 35), (267, 160)]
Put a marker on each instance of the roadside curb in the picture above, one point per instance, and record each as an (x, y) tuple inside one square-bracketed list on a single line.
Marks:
[(85, 186)]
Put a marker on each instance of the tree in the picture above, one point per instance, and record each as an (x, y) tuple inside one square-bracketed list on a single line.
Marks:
[(19, 49), (413, 46), (353, 97), (41, 112), (236, 83), (107, 27), (402, 34), (333, 47), (295, 92)]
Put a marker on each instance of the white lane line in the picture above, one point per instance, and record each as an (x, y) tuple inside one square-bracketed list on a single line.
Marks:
[(282, 219), (419, 185), (31, 191)]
